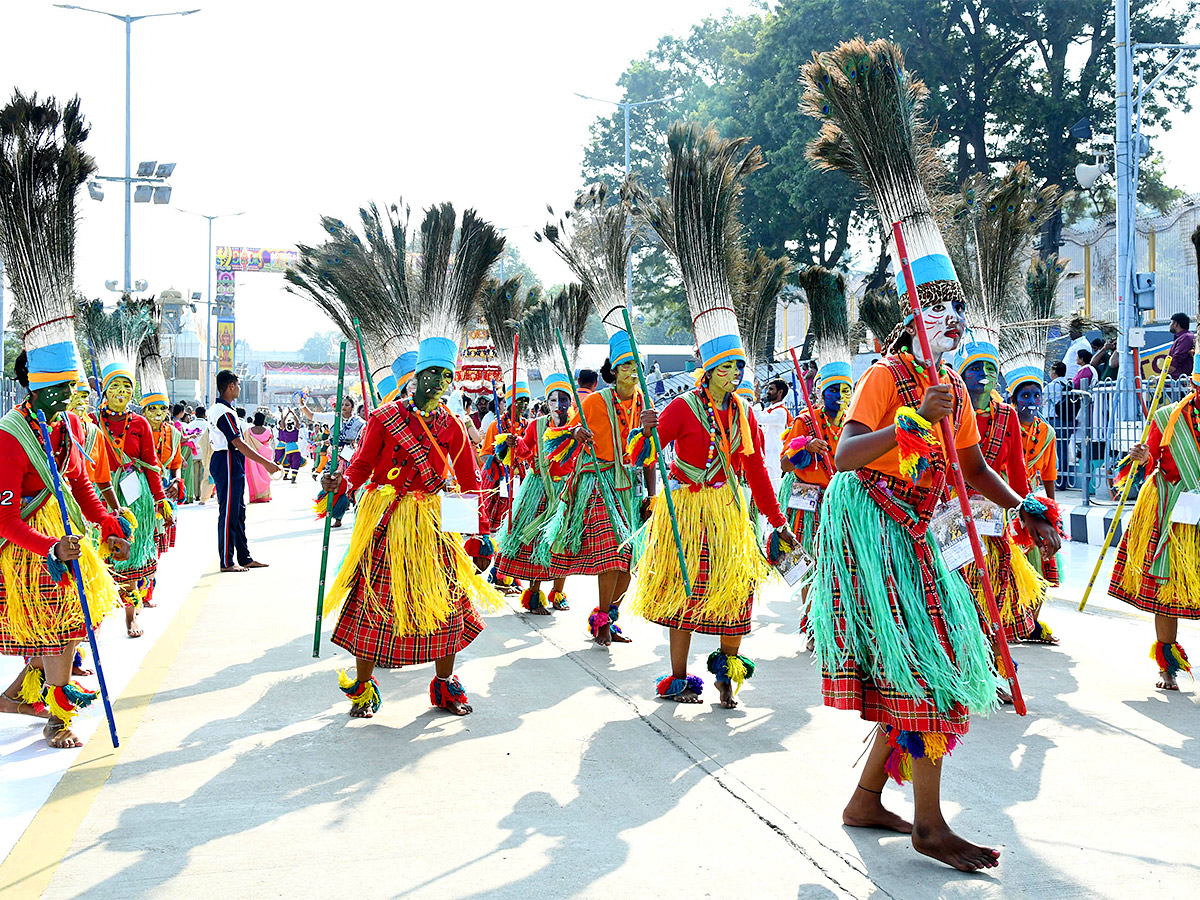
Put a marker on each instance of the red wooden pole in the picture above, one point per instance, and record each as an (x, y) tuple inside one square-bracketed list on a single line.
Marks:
[(999, 636), (512, 421), (812, 413)]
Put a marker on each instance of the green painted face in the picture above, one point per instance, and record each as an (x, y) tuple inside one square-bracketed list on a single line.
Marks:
[(432, 384), (981, 378), (521, 404), (52, 401)]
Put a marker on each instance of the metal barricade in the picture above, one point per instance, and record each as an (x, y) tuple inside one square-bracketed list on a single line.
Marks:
[(1095, 428)]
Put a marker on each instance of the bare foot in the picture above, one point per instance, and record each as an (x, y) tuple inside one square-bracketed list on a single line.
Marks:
[(255, 564), (538, 611), (59, 737), (605, 636), (1166, 681), (234, 569), (725, 689), (810, 643), (131, 623), (1004, 696), (148, 604), (361, 712), (943, 844), (685, 696), (336, 523), (10, 705), (455, 708), (81, 672), (866, 810)]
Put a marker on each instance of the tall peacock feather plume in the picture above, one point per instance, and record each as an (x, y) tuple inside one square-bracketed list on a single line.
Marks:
[(699, 224), (42, 165), (755, 307), (566, 312), (880, 311), (151, 376), (447, 288), (367, 278), (990, 228), (1023, 349), (872, 130), (594, 240), (116, 338), (829, 324), (501, 304)]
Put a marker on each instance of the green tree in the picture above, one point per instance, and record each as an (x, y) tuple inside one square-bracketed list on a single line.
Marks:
[(318, 348), (512, 264)]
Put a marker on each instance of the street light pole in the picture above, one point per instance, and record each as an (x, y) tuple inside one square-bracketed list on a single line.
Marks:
[(128, 20), (625, 106), (209, 264)]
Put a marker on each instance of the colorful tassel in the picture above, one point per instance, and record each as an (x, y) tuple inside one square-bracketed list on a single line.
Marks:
[(558, 599), (559, 444), (1041, 633), (669, 686), (730, 667), (776, 549), (65, 700), (598, 619), (1170, 658), (479, 547), (116, 526), (906, 745), (798, 456), (1039, 508), (33, 687), (57, 569), (444, 691), (640, 448), (129, 520), (531, 599), (502, 449), (362, 694), (916, 443)]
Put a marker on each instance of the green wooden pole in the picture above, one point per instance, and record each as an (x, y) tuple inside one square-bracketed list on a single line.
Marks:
[(662, 465), (333, 461)]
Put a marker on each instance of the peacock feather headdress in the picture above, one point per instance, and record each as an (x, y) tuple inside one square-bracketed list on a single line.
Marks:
[(990, 228), (116, 338), (755, 305), (151, 377), (42, 166), (880, 312), (594, 240), (829, 324), (1023, 349), (501, 304), (566, 312), (872, 130)]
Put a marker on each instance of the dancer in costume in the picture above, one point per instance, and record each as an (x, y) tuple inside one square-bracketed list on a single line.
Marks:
[(1158, 562), (95, 457), (129, 442), (258, 479), (550, 451), (287, 445), (41, 618), (806, 456), (897, 634), (599, 509), (409, 591), (716, 438), (168, 440), (501, 304)]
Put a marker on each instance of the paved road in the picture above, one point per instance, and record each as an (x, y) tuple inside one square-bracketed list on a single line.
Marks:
[(242, 776)]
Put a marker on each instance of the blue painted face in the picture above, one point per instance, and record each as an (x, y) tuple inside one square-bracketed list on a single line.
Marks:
[(1029, 401), (981, 378), (836, 398)]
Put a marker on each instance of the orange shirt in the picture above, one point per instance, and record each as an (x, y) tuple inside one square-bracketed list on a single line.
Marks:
[(98, 469), (162, 446), (874, 405), (815, 472), (629, 416), (1038, 438)]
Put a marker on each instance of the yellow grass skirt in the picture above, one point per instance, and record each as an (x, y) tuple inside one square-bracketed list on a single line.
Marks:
[(39, 612), (709, 519), (1181, 589), (409, 569)]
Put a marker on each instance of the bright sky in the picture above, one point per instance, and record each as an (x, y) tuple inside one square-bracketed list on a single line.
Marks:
[(288, 111)]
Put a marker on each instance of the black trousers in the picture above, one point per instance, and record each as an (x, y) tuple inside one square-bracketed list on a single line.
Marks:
[(229, 472)]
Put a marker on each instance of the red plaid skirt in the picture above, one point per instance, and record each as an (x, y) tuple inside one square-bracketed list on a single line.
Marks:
[(522, 567), (1021, 623), (370, 637), (162, 541), (599, 551), (53, 598), (689, 619), (1147, 597), (496, 508)]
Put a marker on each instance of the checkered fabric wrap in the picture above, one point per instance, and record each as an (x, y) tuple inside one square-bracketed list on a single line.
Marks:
[(1019, 621), (415, 446), (52, 597), (496, 508), (522, 567), (599, 552), (689, 620), (1147, 598)]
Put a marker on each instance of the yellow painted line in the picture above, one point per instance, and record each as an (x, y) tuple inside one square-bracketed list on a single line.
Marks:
[(27, 871)]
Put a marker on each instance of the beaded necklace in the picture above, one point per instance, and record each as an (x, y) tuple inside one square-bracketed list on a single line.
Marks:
[(715, 428)]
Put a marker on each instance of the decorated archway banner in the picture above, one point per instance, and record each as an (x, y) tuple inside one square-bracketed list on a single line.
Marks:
[(241, 259)]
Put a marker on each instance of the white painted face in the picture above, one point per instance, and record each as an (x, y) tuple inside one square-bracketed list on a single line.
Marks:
[(944, 323)]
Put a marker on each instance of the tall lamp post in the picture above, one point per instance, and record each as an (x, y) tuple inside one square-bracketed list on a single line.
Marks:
[(209, 264), (128, 179), (626, 105)]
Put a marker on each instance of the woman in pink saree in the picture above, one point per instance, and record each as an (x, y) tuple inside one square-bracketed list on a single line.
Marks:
[(262, 439)]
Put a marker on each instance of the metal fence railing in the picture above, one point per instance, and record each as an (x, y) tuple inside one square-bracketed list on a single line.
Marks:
[(10, 394), (1096, 428)]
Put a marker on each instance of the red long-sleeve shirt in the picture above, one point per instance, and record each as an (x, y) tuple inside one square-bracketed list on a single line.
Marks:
[(677, 423), (1010, 464), (19, 478), (527, 450), (381, 456), (133, 438)]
